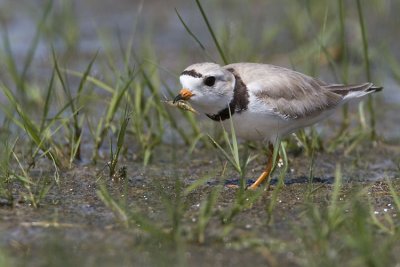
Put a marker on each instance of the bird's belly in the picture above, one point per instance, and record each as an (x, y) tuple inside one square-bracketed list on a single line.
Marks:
[(268, 127), (257, 127)]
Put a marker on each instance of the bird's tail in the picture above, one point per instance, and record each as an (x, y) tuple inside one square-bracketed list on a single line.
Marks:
[(353, 91)]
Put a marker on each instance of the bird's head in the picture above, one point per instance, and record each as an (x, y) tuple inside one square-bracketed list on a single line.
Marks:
[(207, 86)]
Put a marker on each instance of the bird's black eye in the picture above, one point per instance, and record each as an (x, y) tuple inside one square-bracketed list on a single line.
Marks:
[(209, 81)]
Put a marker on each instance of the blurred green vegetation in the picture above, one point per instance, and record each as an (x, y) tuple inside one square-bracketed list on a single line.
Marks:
[(73, 96)]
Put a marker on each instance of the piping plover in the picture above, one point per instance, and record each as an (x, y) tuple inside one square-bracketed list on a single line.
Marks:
[(265, 102)]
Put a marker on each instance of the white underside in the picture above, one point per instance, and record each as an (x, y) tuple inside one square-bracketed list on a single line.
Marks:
[(268, 127), (260, 123)]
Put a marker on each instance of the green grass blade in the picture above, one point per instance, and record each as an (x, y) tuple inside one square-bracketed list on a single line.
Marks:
[(226, 155), (211, 31), (63, 81), (86, 73), (36, 39), (122, 131), (150, 84), (343, 43), (26, 124), (116, 100), (47, 102), (196, 184), (206, 212), (281, 179), (370, 103), (189, 31), (10, 60), (234, 147), (106, 198), (95, 81), (336, 190), (364, 41), (57, 116)]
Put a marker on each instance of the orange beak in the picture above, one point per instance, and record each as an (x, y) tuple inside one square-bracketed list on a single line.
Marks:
[(184, 94)]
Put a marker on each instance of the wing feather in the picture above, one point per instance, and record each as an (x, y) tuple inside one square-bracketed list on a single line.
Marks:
[(291, 94)]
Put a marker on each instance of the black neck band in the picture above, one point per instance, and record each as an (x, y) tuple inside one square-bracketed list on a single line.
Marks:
[(239, 102), (223, 114)]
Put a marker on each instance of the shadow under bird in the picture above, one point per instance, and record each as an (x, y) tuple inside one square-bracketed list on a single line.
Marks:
[(265, 102)]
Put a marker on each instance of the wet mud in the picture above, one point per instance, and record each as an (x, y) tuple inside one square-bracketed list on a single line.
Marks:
[(73, 226)]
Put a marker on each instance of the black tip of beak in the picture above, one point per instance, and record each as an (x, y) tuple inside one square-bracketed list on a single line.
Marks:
[(177, 98)]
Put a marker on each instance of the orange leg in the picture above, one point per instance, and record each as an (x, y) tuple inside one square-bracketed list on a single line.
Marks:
[(264, 175)]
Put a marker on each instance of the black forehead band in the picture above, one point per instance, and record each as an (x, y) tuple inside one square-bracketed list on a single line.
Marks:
[(192, 73)]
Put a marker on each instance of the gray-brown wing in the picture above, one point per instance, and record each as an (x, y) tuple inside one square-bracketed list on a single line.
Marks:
[(291, 94)]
